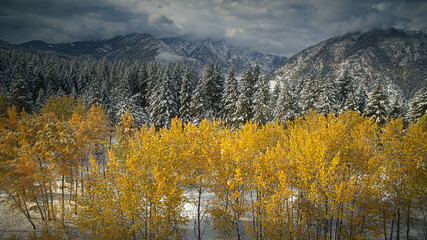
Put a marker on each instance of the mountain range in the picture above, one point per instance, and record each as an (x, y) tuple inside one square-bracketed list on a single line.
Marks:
[(396, 57), (145, 47)]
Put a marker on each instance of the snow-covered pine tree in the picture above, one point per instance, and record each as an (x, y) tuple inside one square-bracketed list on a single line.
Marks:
[(154, 74), (229, 99), (67, 85), (274, 97), (198, 103), (38, 83), (349, 101), (219, 90), (285, 108), (143, 81), (93, 95), (244, 108), (256, 78), (40, 101), (83, 79), (328, 95), (165, 106), (309, 94), (176, 75), (419, 104), (173, 86), (361, 98), (212, 90), (345, 87), (377, 105), (185, 96), (121, 94), (102, 71), (52, 83), (396, 109), (20, 96), (106, 96), (74, 75), (262, 112), (133, 78), (138, 112)]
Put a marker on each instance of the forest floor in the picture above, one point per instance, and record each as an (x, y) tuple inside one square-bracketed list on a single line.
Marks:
[(13, 222)]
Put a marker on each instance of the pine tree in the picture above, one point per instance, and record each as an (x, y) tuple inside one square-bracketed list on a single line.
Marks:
[(361, 98), (248, 77), (376, 107), (93, 95), (262, 113), (40, 101), (138, 112), (396, 109), (328, 95), (52, 80), (309, 94), (244, 107), (143, 84), (210, 91), (218, 90), (274, 97), (229, 100), (154, 73), (106, 96), (198, 103), (176, 76), (285, 108), (38, 83), (121, 95), (345, 89), (165, 106), (20, 96), (185, 96), (255, 79), (419, 104), (349, 102)]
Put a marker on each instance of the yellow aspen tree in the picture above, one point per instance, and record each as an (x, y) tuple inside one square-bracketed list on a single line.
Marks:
[(226, 209), (48, 157), (98, 132), (100, 212), (16, 163), (403, 162), (415, 149), (81, 145)]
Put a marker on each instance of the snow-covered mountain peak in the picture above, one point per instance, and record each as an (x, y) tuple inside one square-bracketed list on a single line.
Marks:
[(393, 56)]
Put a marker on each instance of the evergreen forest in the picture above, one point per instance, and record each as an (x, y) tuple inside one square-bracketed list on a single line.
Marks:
[(112, 149)]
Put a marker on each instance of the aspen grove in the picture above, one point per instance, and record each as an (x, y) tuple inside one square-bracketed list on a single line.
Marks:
[(335, 176)]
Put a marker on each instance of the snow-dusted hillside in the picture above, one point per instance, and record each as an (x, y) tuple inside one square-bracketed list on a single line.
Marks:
[(146, 47), (209, 52), (398, 57)]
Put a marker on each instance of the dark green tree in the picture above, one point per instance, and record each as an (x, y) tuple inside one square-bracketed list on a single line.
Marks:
[(229, 99), (377, 104), (20, 96)]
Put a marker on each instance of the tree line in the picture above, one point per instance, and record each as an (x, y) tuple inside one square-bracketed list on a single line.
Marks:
[(155, 93), (319, 176)]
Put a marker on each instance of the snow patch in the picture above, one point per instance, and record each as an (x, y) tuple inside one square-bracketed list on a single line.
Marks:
[(168, 57)]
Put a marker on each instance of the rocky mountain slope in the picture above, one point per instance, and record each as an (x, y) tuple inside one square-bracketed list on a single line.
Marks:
[(146, 47), (397, 57)]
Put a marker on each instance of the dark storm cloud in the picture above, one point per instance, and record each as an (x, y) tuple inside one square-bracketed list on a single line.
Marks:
[(272, 26)]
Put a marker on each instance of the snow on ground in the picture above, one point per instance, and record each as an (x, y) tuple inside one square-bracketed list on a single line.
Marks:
[(190, 210), (13, 222)]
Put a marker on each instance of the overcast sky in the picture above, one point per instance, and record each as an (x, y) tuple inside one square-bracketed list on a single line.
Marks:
[(282, 27)]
